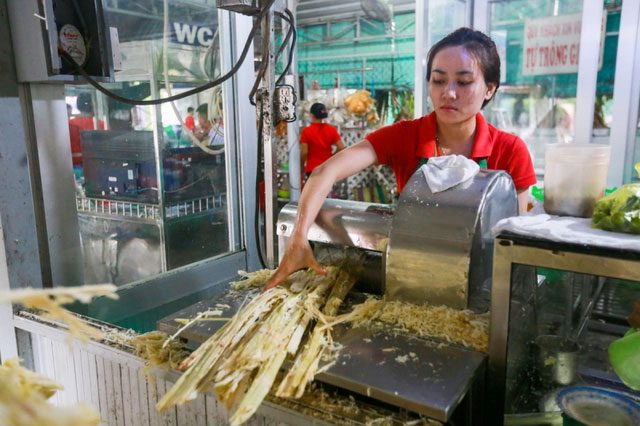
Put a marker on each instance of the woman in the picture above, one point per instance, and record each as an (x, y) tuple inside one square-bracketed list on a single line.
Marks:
[(83, 121), (317, 140), (463, 73)]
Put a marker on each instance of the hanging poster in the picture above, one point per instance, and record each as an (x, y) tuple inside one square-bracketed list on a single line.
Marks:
[(552, 44)]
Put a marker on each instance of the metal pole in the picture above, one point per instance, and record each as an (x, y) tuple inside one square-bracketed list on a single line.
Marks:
[(293, 129), (157, 134), (268, 85), (8, 343), (590, 37), (626, 92), (420, 68)]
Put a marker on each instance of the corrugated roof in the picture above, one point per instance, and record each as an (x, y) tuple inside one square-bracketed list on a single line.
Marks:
[(318, 11)]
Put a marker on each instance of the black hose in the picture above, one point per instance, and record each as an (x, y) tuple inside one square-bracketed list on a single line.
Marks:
[(216, 82)]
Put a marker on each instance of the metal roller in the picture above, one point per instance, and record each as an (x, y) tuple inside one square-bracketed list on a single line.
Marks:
[(440, 245)]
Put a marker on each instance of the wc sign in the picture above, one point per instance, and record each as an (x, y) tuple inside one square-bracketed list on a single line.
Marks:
[(193, 35)]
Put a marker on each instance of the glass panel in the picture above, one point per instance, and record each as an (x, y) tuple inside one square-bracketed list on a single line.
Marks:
[(562, 325), (444, 17), (602, 117), (636, 156), (150, 198), (348, 48), (539, 40)]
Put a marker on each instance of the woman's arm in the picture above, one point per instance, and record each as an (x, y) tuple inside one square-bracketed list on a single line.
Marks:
[(304, 153), (523, 201), (298, 254)]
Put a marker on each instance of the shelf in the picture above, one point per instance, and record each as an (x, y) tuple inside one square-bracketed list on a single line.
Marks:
[(118, 208), (198, 205), (131, 209)]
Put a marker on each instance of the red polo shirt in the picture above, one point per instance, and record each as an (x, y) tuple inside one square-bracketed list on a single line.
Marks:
[(319, 138), (76, 125), (403, 144)]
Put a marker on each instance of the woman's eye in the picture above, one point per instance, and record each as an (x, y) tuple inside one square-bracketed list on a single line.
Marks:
[(465, 83), (437, 82)]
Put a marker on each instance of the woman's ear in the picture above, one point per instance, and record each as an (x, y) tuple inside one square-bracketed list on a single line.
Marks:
[(491, 89)]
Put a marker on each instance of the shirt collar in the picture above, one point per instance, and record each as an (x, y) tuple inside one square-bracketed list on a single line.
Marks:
[(482, 145), (427, 143)]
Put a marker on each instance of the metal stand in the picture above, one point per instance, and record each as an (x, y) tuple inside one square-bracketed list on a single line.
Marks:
[(511, 250)]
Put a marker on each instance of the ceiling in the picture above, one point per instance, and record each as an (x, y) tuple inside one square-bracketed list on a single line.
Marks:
[(319, 11)]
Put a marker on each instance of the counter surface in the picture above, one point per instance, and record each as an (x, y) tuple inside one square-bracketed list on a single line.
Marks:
[(427, 377)]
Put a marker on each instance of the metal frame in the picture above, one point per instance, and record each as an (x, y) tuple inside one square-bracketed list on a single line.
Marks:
[(293, 130), (422, 45), (247, 135), (19, 192), (590, 36), (479, 15), (265, 102), (227, 56), (507, 253), (23, 213), (8, 342), (210, 276), (626, 95)]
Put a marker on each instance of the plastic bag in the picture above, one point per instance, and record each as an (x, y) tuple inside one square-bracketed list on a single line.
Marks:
[(624, 355), (620, 211)]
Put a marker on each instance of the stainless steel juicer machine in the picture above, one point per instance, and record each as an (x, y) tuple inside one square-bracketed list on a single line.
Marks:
[(426, 248)]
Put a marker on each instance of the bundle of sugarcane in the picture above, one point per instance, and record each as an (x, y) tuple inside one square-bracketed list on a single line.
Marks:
[(158, 351), (319, 343), (50, 301), (241, 361), (23, 401)]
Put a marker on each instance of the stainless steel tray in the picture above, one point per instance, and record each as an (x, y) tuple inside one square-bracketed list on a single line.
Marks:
[(423, 376)]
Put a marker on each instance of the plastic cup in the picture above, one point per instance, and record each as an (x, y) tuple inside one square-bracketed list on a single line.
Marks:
[(557, 359), (575, 176)]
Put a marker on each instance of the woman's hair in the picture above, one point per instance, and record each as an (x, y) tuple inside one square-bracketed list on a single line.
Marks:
[(319, 111), (480, 46), (203, 109), (84, 103)]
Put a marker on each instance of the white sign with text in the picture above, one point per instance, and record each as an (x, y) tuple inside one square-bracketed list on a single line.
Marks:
[(552, 44)]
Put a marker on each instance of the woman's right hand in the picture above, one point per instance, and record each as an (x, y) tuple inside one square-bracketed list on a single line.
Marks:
[(297, 256)]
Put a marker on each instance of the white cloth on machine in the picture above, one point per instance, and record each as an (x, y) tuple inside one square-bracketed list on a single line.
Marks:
[(447, 171), (566, 229)]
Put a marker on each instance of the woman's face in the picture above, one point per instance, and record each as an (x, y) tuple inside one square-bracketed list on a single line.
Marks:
[(457, 87)]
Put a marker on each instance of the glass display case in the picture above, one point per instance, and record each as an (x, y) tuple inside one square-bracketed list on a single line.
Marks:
[(149, 198), (557, 305)]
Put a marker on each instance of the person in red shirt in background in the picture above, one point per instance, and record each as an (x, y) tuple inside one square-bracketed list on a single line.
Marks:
[(84, 121), (463, 74), (317, 140), (189, 121)]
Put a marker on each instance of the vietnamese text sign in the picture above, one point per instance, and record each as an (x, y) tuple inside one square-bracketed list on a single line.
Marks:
[(552, 44)]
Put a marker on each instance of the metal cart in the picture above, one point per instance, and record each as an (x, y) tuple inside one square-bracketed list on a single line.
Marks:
[(555, 306)]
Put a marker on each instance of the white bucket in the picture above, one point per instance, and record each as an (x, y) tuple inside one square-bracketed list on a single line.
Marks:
[(575, 176)]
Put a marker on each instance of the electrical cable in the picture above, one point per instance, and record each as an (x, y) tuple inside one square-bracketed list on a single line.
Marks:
[(264, 64), (292, 25), (256, 223), (291, 32), (248, 44)]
